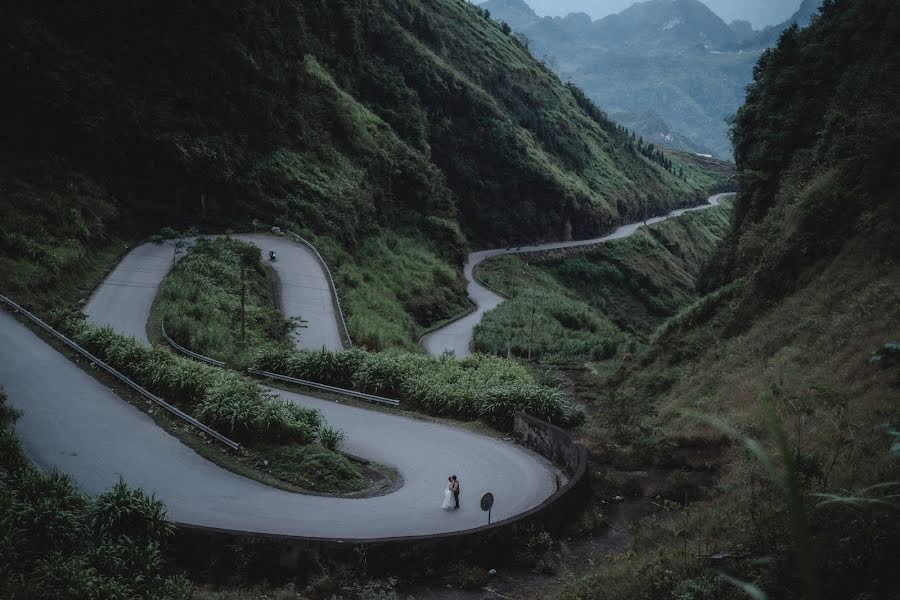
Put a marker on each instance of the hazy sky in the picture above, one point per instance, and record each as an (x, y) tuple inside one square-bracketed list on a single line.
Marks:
[(759, 12)]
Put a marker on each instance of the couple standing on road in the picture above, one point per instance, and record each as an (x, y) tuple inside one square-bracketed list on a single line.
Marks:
[(451, 494)]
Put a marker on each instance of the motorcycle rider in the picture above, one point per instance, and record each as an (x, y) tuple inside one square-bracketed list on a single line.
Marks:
[(271, 255)]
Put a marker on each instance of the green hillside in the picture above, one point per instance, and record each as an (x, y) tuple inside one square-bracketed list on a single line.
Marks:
[(392, 133), (774, 396), (598, 303)]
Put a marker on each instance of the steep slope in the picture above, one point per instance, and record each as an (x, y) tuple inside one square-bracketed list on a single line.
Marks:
[(794, 346), (516, 13), (382, 129), (654, 128)]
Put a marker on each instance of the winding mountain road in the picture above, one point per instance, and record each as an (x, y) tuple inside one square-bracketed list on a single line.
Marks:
[(73, 423), (124, 299), (456, 337)]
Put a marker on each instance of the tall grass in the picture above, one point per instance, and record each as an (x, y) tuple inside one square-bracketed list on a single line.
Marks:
[(56, 542), (270, 428), (397, 285), (563, 326), (479, 387), (595, 303), (200, 301), (225, 401)]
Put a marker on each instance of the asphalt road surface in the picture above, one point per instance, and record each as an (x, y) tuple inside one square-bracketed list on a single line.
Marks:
[(124, 299), (456, 337), (73, 423)]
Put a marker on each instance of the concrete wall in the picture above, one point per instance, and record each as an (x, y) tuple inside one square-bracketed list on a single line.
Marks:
[(222, 554)]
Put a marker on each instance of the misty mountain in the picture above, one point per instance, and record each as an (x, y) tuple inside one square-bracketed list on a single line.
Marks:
[(663, 25), (743, 30), (653, 128), (801, 18), (760, 13), (676, 59)]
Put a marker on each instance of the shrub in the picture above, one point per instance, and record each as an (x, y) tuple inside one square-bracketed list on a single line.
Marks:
[(199, 301), (467, 577), (56, 542), (313, 467), (225, 401), (332, 439), (479, 387)]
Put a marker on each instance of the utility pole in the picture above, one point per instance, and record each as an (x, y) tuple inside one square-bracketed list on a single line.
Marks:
[(531, 326), (243, 298), (509, 334)]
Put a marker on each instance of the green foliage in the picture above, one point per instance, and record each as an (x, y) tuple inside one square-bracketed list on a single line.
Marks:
[(467, 577), (594, 304), (231, 404), (814, 145), (312, 467), (200, 301), (564, 325), (236, 409), (56, 542), (55, 230), (397, 287), (477, 387), (369, 122), (799, 297), (331, 439), (219, 398), (360, 124)]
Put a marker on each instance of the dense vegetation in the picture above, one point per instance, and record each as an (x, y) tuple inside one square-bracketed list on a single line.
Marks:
[(478, 387), (792, 353), (56, 542), (599, 303), (381, 130), (273, 430), (200, 301), (54, 232)]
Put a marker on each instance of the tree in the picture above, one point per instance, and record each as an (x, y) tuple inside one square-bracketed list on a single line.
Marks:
[(178, 239)]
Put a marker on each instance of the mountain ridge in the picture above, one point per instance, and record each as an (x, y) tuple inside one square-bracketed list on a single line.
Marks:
[(391, 134), (676, 58)]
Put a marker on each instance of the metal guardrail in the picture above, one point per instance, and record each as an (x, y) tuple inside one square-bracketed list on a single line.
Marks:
[(347, 341), (192, 354), (278, 376), (326, 388), (136, 387)]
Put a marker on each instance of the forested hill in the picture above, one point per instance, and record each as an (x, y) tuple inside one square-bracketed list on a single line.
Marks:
[(342, 114), (816, 145), (795, 346)]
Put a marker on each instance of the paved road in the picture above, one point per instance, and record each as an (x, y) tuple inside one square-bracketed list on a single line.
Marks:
[(130, 289), (124, 299), (73, 423), (457, 337)]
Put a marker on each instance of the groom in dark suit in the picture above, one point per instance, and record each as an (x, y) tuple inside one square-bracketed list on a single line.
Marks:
[(454, 487)]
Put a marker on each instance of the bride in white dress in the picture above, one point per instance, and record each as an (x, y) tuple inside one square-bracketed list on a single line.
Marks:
[(448, 496)]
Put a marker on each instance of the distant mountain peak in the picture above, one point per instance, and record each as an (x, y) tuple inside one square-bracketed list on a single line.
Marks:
[(666, 23), (517, 13), (802, 17)]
